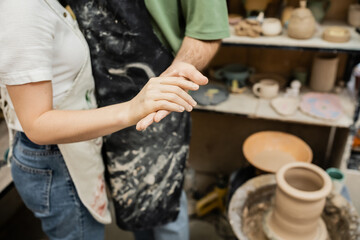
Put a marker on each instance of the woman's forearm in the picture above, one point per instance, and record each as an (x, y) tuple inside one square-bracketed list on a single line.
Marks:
[(66, 126)]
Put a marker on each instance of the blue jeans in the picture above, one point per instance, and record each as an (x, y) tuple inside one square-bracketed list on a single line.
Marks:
[(177, 230), (44, 184)]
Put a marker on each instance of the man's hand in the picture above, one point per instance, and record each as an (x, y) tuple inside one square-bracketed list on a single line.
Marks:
[(176, 69)]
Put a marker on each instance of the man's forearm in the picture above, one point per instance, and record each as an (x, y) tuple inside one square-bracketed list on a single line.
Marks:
[(197, 52)]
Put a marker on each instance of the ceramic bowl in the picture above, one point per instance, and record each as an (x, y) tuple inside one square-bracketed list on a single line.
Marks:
[(232, 72), (257, 77), (268, 151), (336, 34), (271, 27)]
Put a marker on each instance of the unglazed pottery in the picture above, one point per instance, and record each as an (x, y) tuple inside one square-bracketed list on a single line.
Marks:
[(285, 105), (251, 202), (271, 27), (300, 198), (354, 15), (301, 23), (336, 34), (286, 14), (257, 77), (266, 88), (321, 105), (270, 150), (323, 73)]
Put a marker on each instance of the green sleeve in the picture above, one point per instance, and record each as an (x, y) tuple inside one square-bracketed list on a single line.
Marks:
[(200, 19), (205, 19)]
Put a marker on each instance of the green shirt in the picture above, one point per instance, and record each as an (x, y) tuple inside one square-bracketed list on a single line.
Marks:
[(200, 19)]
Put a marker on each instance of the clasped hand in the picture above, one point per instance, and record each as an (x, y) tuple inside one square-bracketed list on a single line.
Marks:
[(168, 93)]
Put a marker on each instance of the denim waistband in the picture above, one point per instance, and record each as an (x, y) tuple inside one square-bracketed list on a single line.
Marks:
[(25, 140)]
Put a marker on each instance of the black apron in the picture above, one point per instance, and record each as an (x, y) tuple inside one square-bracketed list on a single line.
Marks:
[(144, 169)]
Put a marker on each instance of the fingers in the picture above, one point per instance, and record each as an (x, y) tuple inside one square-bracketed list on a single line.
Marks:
[(180, 93), (180, 82), (160, 115), (149, 119), (145, 122), (188, 71)]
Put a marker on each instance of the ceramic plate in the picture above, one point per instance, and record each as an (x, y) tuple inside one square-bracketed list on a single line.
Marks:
[(321, 105), (285, 105)]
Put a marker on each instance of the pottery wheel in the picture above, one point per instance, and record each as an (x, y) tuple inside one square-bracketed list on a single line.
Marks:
[(252, 200)]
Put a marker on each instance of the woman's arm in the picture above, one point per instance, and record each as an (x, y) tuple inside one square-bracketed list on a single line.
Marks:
[(44, 125)]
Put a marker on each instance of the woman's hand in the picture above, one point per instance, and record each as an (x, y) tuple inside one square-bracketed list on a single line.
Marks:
[(162, 93), (176, 69)]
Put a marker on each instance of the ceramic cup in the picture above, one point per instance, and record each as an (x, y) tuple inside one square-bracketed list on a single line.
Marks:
[(337, 178), (266, 88), (354, 15), (271, 27)]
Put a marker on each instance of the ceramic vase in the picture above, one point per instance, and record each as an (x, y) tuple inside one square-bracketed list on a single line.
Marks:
[(301, 23), (323, 73), (354, 15), (299, 202)]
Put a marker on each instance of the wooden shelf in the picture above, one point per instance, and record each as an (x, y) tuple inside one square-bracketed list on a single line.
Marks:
[(285, 42), (248, 105)]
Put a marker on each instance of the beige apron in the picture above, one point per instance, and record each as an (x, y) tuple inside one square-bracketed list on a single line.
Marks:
[(83, 159)]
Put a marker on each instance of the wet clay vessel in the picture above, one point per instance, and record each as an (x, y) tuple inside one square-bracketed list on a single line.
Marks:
[(300, 198)]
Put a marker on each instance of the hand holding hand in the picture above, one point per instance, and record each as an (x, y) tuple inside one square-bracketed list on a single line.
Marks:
[(176, 69), (162, 93)]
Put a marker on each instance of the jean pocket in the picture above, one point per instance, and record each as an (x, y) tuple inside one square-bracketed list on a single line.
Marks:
[(33, 185)]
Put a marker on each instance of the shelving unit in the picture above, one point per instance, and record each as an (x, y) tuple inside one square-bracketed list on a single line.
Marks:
[(315, 43), (246, 104)]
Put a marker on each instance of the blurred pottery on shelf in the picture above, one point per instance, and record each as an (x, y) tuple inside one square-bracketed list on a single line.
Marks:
[(268, 151), (266, 88), (234, 73), (286, 14), (248, 28), (271, 27), (301, 23), (210, 94), (285, 106), (318, 8), (257, 77), (234, 19), (336, 34), (324, 106), (354, 15), (323, 73)]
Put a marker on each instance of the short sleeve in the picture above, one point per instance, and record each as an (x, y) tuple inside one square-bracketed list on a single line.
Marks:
[(26, 42), (206, 19)]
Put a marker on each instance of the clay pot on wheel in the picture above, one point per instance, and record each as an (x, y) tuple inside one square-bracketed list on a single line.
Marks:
[(301, 23), (299, 202)]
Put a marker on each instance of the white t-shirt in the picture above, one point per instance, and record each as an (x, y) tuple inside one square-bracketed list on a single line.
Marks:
[(35, 45)]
